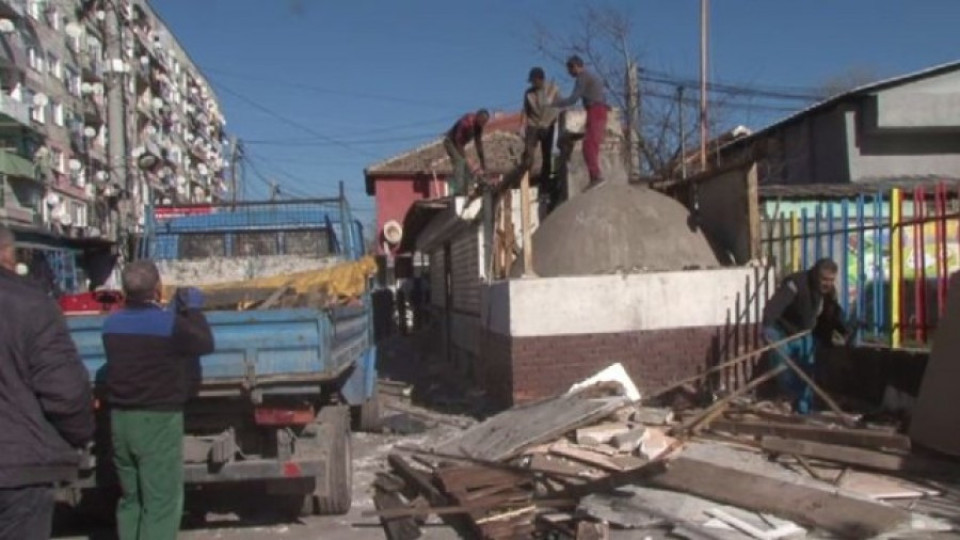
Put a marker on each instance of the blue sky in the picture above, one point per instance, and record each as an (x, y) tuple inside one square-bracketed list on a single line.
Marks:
[(319, 89)]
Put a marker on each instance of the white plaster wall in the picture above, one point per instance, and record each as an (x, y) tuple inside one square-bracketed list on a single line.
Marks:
[(624, 303)]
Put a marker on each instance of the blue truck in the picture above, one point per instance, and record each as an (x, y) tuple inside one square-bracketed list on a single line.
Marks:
[(285, 386)]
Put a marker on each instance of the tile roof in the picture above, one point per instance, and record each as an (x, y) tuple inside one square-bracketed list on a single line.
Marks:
[(502, 144)]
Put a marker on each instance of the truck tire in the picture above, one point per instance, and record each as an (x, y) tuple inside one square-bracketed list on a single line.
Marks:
[(335, 433), (366, 417)]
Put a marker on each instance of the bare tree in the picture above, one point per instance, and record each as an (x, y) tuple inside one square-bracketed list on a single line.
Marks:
[(667, 121)]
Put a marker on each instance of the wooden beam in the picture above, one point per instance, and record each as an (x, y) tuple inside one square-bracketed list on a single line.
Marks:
[(703, 420), (753, 212), (844, 417), (859, 457), (526, 225), (727, 364), (395, 528), (843, 516), (864, 438), (409, 511)]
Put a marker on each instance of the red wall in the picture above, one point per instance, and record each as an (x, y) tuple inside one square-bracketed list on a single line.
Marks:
[(395, 195)]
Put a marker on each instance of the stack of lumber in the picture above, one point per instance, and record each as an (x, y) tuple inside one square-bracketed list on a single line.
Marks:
[(548, 470)]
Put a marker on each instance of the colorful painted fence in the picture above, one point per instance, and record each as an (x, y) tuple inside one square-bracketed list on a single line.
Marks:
[(896, 249)]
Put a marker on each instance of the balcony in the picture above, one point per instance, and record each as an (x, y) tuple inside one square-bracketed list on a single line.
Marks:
[(17, 166), (13, 9), (14, 110), (91, 67)]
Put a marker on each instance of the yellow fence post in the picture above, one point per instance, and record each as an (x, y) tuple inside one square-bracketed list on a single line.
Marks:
[(896, 267), (794, 242)]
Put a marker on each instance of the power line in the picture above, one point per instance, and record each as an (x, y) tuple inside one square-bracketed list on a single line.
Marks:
[(315, 142), (783, 93), (292, 123)]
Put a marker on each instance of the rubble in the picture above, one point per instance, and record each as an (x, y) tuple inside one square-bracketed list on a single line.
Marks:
[(595, 463)]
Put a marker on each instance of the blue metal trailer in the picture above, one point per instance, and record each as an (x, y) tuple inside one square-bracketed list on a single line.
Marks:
[(278, 393)]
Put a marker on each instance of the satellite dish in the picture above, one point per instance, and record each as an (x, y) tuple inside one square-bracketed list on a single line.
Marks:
[(52, 200), (98, 89), (73, 30), (151, 130), (166, 200), (181, 180), (181, 190), (41, 100), (138, 151), (90, 190), (86, 88), (89, 132), (103, 176), (101, 15), (75, 165), (392, 232), (203, 169), (66, 219), (157, 103), (7, 26)]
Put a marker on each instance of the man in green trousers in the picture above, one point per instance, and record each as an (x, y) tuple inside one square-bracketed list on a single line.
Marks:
[(153, 368)]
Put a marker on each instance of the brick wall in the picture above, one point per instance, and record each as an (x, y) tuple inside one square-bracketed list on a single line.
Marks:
[(519, 369)]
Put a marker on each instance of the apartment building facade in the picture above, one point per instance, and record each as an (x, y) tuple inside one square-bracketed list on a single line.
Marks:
[(102, 113)]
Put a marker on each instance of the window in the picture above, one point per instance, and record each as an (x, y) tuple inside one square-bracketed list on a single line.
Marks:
[(53, 17), (35, 8), (59, 161), (58, 116), (78, 214), (37, 113), (73, 82), (56, 68), (35, 58), (78, 177)]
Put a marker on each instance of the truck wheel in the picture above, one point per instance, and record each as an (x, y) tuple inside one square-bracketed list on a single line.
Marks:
[(335, 433), (366, 417)]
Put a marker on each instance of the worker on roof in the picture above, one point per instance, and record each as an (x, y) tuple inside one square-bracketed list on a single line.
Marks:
[(539, 120), (468, 128), (588, 89), (805, 303)]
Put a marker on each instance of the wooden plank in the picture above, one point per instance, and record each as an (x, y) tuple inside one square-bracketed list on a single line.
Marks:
[(509, 433), (467, 508), (843, 516), (703, 420), (753, 213), (465, 478), (584, 455), (859, 457), (275, 296), (395, 528), (863, 438), (720, 367), (562, 467), (526, 225), (844, 417)]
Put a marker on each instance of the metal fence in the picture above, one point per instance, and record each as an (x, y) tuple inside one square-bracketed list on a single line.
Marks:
[(896, 249)]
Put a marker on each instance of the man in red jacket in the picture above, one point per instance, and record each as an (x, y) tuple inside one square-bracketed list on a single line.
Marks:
[(468, 128)]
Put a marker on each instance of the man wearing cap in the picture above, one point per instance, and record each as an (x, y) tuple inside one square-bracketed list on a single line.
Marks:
[(539, 119), (152, 370), (589, 89), (468, 128)]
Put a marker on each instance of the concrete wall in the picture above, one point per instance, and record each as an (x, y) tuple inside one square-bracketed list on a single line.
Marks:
[(541, 335)]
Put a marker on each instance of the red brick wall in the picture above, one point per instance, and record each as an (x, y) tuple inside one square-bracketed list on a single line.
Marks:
[(519, 369)]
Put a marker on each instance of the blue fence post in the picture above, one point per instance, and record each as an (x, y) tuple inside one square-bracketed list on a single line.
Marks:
[(861, 266)]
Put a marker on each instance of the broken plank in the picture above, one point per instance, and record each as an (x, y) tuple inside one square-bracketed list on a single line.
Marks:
[(465, 478), (561, 467), (863, 438), (397, 528), (468, 508), (859, 457), (843, 516), (584, 455)]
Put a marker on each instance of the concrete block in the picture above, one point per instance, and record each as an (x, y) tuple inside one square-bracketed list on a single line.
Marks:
[(629, 441), (600, 434), (651, 416)]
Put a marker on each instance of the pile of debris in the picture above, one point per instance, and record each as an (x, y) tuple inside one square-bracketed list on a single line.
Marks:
[(596, 462)]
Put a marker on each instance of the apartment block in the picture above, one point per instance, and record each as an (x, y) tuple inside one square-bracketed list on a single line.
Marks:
[(66, 165)]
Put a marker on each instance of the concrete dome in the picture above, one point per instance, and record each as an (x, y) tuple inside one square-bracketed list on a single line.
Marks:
[(618, 228)]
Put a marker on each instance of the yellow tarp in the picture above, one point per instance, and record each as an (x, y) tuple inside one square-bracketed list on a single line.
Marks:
[(345, 280)]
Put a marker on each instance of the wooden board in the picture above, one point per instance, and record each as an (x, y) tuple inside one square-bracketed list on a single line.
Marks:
[(937, 412), (863, 438), (859, 457), (398, 528), (509, 433), (843, 516)]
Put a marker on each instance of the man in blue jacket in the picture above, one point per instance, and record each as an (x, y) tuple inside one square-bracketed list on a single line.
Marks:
[(805, 301), (153, 368)]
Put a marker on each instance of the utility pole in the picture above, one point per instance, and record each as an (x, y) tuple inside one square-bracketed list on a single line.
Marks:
[(683, 134), (236, 154), (116, 88), (633, 118), (704, 130)]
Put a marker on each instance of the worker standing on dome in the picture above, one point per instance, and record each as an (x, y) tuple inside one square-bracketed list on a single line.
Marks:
[(589, 89)]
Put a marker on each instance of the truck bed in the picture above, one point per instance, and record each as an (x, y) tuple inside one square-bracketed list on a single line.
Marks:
[(260, 348)]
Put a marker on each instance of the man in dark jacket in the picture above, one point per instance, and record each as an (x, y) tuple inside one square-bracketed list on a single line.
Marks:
[(153, 368), (46, 408), (805, 301)]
